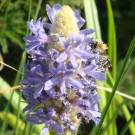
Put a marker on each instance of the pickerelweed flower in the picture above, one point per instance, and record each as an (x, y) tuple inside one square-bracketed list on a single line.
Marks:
[(60, 81)]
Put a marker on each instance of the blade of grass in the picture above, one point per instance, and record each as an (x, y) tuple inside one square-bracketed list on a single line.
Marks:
[(5, 17), (112, 39), (15, 94), (30, 129), (88, 14), (91, 16), (7, 95), (29, 14), (27, 128), (127, 125), (37, 10), (18, 115), (127, 115), (12, 121), (4, 46), (16, 82), (2, 3), (36, 13), (115, 114), (126, 112), (129, 66), (113, 58), (95, 19), (129, 52), (13, 101), (13, 39)]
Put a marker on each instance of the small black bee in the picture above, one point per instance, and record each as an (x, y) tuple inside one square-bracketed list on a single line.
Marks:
[(28, 58)]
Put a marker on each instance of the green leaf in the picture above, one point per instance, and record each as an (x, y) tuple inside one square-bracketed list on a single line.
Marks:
[(112, 51), (37, 10), (91, 16)]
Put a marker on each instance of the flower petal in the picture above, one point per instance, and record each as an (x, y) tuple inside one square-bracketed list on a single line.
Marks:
[(98, 75), (78, 42), (38, 91), (51, 83), (30, 38), (57, 127), (63, 87), (88, 69), (95, 113), (45, 129), (61, 57), (61, 67), (73, 61), (87, 31), (63, 42), (51, 92), (53, 70), (80, 20), (82, 54), (74, 82), (32, 46), (44, 38), (52, 11), (48, 25), (91, 71)]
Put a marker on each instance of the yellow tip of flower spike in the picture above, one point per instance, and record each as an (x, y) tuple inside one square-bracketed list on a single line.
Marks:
[(64, 24)]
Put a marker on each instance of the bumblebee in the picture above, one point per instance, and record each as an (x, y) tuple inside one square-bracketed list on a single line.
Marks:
[(98, 46)]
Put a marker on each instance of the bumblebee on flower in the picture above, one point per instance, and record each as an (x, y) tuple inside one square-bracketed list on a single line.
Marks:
[(60, 82)]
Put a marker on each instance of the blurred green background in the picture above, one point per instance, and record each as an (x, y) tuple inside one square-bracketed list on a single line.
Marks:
[(13, 17)]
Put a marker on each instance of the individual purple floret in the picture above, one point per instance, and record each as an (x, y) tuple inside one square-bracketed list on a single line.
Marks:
[(72, 49), (62, 76), (39, 39), (59, 83)]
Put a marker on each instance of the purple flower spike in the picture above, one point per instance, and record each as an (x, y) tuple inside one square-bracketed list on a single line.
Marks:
[(59, 85)]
